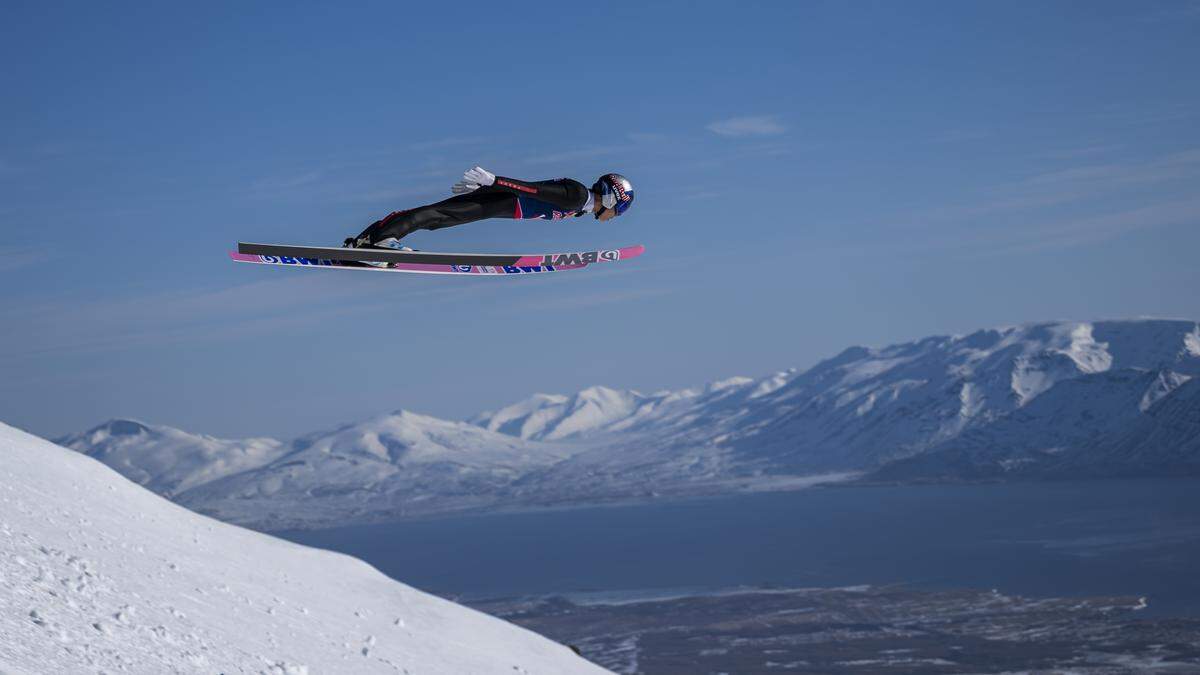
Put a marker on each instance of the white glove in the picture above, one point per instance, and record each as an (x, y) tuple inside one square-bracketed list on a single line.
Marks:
[(472, 180)]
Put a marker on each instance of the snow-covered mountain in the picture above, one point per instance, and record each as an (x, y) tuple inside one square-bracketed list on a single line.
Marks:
[(388, 467), (598, 410), (168, 460), (865, 406), (100, 575), (941, 407), (871, 406), (1117, 423)]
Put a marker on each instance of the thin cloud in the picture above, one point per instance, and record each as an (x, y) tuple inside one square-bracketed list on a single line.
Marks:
[(17, 258), (1142, 113), (1070, 185), (1178, 11), (646, 137), (197, 316), (739, 152), (284, 183), (1045, 234), (1059, 210), (754, 125), (1078, 152), (961, 136), (443, 143), (1048, 235), (577, 301), (1182, 164), (393, 193), (53, 149), (574, 155), (1099, 228), (698, 194)]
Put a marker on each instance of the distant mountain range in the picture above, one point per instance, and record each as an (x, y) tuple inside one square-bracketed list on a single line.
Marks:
[(1050, 400)]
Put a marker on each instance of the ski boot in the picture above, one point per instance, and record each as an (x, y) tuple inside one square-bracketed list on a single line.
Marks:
[(392, 243), (363, 242)]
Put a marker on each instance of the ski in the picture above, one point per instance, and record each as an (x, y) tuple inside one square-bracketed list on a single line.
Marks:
[(436, 258), (412, 268)]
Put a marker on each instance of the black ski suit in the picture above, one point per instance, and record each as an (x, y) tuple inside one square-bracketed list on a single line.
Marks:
[(506, 198)]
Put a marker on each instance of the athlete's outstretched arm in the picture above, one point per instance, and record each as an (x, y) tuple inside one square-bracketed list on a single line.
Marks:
[(564, 193), (567, 194)]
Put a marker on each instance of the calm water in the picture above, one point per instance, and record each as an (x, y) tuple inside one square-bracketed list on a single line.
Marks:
[(1114, 537)]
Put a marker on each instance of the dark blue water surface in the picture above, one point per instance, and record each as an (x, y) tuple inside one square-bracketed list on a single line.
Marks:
[(1139, 537)]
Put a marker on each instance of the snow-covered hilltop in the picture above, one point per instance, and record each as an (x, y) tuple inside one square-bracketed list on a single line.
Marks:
[(1053, 399), (98, 574), (390, 466), (598, 410), (168, 460)]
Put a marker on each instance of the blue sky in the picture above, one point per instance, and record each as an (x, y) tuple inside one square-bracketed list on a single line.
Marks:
[(810, 176)]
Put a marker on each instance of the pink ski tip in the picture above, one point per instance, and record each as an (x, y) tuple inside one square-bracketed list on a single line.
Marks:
[(632, 251)]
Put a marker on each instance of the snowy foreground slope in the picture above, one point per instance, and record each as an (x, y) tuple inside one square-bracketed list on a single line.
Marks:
[(98, 574)]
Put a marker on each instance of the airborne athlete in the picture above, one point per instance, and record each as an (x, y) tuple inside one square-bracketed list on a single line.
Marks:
[(481, 195)]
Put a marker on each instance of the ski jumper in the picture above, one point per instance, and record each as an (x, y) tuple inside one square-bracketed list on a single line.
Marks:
[(507, 198)]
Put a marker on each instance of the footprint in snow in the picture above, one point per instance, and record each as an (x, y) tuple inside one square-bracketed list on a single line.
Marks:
[(125, 614)]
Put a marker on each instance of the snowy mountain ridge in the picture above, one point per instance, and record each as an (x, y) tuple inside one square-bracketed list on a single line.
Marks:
[(390, 466), (867, 406), (1022, 391), (168, 460), (101, 575)]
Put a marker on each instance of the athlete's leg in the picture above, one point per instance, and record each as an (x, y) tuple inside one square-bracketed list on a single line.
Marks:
[(458, 210)]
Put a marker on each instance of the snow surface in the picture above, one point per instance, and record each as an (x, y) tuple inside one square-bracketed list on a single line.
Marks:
[(1164, 384), (100, 575), (1191, 342)]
